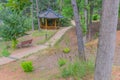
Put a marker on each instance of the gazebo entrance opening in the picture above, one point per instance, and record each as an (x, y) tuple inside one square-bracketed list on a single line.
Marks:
[(49, 23)]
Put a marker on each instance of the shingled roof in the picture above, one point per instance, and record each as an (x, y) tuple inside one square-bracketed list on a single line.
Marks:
[(50, 14)]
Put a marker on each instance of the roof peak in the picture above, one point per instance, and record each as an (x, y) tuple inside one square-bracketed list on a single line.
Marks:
[(49, 13)]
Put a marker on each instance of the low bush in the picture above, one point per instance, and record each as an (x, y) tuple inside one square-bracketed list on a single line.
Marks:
[(66, 50), (27, 66), (96, 17), (5, 52), (62, 62)]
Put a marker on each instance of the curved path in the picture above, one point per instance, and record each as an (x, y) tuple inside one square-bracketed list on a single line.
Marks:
[(31, 50)]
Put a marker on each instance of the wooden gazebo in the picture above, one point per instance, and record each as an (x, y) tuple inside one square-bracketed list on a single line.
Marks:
[(49, 19)]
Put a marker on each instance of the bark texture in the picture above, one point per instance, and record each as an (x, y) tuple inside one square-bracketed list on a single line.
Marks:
[(107, 38), (78, 31)]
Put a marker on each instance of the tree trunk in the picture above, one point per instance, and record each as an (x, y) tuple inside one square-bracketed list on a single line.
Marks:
[(32, 16), (90, 23), (61, 5), (37, 11), (107, 38), (91, 12), (86, 14), (78, 31)]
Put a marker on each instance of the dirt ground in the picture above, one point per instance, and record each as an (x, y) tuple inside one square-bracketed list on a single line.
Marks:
[(45, 62)]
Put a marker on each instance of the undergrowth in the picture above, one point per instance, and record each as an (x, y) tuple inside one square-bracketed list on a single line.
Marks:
[(77, 69)]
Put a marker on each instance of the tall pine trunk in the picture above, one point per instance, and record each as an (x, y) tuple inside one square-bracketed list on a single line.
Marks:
[(78, 31), (90, 21), (61, 5), (107, 38), (86, 13), (37, 11), (32, 16)]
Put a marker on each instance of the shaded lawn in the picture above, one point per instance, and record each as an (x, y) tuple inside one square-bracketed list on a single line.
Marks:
[(44, 34)]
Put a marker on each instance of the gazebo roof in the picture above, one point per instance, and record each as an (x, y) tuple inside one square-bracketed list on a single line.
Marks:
[(50, 14)]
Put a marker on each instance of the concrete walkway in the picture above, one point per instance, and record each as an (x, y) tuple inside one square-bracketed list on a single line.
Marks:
[(51, 42)]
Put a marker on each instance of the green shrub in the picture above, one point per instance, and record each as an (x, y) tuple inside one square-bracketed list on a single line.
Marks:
[(27, 66), (5, 52), (66, 50), (96, 17), (77, 69), (13, 26), (62, 62)]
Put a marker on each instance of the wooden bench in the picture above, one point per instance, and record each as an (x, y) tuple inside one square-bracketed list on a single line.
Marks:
[(25, 43)]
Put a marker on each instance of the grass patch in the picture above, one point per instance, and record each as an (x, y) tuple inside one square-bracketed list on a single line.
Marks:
[(43, 33), (64, 37), (57, 44), (3, 46), (78, 69), (46, 35), (5, 52)]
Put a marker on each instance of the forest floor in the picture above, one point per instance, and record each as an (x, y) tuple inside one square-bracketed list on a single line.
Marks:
[(45, 61)]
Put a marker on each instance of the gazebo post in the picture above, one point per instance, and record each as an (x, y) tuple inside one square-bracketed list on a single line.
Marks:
[(46, 28), (46, 24), (58, 23), (41, 22), (55, 24)]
